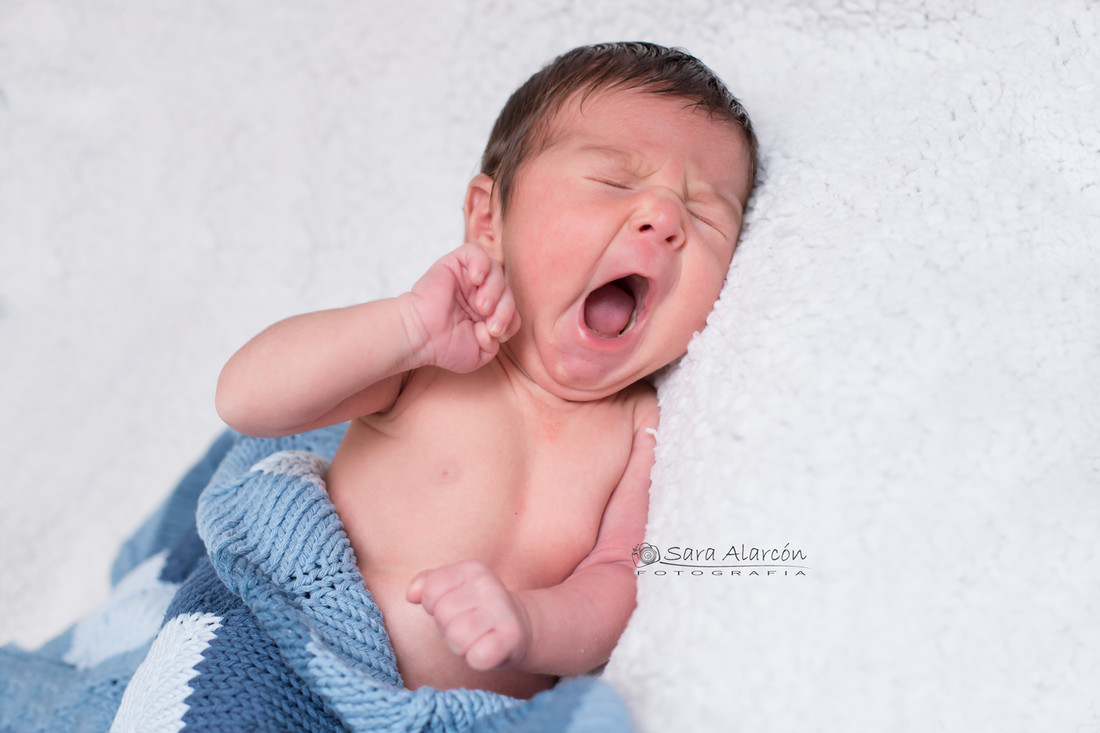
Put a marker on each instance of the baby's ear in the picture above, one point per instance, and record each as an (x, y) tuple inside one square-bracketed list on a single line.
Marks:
[(482, 216)]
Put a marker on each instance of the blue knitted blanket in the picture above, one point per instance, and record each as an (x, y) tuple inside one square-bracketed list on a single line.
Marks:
[(239, 606)]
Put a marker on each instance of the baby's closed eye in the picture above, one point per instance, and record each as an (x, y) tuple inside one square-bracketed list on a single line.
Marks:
[(705, 220), (611, 182)]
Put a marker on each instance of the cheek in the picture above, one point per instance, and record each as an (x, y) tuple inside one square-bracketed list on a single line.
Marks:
[(700, 302), (551, 239), (683, 323)]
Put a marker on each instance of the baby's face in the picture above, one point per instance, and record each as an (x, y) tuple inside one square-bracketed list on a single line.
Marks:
[(618, 237)]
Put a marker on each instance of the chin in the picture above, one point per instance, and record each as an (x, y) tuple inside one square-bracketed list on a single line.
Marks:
[(589, 382)]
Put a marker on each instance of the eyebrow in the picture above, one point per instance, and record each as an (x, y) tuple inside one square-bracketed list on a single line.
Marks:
[(610, 151)]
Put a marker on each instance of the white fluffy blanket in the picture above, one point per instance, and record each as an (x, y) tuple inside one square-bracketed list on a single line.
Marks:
[(900, 381)]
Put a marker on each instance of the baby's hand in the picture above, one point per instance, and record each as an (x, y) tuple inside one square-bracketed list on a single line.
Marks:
[(461, 310), (479, 618)]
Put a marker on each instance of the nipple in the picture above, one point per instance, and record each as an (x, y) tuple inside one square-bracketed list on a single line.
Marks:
[(609, 310)]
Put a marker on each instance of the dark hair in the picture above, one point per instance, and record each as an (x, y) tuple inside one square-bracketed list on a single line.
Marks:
[(520, 131)]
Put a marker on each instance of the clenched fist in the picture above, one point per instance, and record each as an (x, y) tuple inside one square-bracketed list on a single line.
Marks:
[(461, 310), (480, 619)]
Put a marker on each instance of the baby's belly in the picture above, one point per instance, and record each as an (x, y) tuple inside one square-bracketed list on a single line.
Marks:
[(404, 516)]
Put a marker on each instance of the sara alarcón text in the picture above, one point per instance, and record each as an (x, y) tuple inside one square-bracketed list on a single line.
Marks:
[(737, 560)]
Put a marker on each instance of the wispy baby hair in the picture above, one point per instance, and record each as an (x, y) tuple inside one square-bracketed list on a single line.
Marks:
[(522, 129)]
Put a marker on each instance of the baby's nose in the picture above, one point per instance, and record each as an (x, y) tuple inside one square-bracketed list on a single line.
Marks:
[(661, 217)]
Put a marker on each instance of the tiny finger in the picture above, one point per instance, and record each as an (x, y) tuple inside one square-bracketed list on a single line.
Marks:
[(430, 586), (491, 289), (476, 262), (488, 651), (464, 629), (486, 341), (504, 321), (416, 588)]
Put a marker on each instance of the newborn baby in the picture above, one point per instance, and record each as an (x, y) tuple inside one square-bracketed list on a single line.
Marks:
[(494, 477)]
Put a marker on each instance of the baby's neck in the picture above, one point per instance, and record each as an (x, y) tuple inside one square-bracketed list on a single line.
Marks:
[(509, 362), (522, 383)]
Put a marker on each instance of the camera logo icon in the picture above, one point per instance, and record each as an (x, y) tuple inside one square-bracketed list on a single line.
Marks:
[(645, 554)]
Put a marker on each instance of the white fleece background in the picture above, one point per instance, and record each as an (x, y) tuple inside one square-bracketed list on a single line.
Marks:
[(902, 378)]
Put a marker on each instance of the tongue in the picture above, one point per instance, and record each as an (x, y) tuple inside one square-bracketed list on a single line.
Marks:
[(607, 310)]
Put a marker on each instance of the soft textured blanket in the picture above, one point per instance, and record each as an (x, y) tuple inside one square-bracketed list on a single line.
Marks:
[(267, 624), (901, 380)]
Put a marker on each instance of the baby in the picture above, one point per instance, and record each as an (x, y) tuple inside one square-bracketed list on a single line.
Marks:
[(494, 477)]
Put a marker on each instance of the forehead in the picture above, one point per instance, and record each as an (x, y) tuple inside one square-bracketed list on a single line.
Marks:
[(641, 128)]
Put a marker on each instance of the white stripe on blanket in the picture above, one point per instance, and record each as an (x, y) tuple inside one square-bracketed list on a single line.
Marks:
[(295, 464), (154, 701), (131, 617)]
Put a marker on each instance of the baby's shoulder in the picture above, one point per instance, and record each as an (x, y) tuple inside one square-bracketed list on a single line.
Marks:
[(641, 399), (640, 393)]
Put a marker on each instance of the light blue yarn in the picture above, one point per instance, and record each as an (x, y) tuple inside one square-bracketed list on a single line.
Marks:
[(275, 540), (280, 567)]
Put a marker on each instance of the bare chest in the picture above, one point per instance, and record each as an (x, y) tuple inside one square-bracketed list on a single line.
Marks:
[(461, 472)]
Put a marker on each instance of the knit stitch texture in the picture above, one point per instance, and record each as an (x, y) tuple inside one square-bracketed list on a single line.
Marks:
[(270, 627)]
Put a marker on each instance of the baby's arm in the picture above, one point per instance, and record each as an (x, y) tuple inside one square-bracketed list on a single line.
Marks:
[(567, 629), (322, 368)]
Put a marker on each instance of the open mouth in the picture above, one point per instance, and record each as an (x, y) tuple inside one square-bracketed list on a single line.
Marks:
[(611, 310)]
